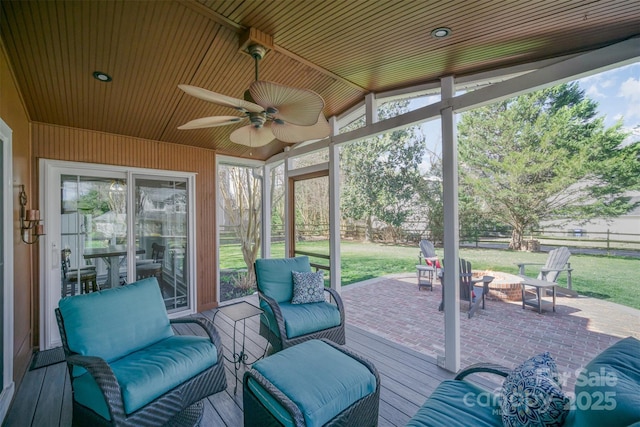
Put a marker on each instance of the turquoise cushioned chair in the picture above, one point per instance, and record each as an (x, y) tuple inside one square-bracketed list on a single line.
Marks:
[(284, 324), (127, 367), (607, 393)]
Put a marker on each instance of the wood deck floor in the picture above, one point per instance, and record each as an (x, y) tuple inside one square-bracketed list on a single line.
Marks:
[(407, 379)]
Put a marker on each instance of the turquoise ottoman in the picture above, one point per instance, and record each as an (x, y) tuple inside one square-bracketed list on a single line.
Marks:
[(312, 384)]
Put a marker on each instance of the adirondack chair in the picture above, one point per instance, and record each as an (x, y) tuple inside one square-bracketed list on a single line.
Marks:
[(428, 254), (468, 291), (557, 262)]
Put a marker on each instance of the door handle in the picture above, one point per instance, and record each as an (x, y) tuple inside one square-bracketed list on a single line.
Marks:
[(55, 256)]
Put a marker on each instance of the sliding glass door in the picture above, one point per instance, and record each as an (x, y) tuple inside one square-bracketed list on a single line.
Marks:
[(109, 226), (161, 230), (93, 232)]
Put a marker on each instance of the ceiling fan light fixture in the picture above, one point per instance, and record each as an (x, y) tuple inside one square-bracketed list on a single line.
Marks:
[(103, 77), (257, 119), (274, 111), (441, 32)]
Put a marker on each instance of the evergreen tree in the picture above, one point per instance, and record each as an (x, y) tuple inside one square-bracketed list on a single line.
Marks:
[(380, 174), (545, 155)]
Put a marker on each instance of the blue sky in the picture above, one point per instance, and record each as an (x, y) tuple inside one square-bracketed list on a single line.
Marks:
[(617, 93)]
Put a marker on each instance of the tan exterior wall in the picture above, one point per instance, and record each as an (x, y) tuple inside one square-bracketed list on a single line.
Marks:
[(32, 141), (78, 145), (14, 114)]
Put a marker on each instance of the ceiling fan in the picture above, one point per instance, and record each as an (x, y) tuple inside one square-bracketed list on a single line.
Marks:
[(273, 110)]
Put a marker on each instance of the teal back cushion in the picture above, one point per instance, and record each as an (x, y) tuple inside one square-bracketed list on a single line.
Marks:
[(274, 276), (115, 322), (607, 390)]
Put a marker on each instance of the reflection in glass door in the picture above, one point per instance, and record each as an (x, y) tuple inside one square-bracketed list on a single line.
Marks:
[(108, 226), (93, 233), (161, 230)]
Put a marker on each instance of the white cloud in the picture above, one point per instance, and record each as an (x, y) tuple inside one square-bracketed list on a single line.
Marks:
[(607, 83), (630, 91), (633, 137), (593, 92), (589, 79), (630, 88), (597, 85)]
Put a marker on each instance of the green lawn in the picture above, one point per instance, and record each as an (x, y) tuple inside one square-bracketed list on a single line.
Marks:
[(605, 277)]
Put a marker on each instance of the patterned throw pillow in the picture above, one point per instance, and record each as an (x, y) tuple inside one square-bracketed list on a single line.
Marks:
[(532, 395), (307, 287)]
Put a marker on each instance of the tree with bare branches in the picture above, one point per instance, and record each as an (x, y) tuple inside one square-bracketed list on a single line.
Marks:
[(240, 188)]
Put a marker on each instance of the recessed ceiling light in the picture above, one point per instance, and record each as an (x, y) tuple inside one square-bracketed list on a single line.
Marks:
[(440, 33), (103, 77)]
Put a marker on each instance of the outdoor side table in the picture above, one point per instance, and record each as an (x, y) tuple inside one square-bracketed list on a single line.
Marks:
[(236, 312), (425, 276), (541, 287)]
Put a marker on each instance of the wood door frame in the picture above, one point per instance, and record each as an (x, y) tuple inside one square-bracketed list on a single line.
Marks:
[(8, 386), (292, 205), (50, 170)]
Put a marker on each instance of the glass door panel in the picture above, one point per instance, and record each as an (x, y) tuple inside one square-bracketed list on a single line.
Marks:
[(110, 226), (93, 233), (161, 230)]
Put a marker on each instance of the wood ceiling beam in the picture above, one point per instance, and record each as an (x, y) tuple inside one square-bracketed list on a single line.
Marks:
[(241, 29), (316, 67), (214, 16)]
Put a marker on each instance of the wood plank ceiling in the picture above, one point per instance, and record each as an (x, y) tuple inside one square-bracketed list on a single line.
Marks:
[(338, 48)]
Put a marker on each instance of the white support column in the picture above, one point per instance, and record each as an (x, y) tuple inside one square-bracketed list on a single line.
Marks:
[(334, 210), (370, 109), (451, 231), (287, 216), (266, 212)]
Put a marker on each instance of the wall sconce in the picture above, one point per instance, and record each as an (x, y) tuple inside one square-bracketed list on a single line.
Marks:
[(30, 227)]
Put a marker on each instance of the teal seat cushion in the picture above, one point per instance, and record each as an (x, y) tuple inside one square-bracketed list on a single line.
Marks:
[(457, 403), (607, 390), (274, 276), (149, 373), (321, 380), (302, 319), (115, 322)]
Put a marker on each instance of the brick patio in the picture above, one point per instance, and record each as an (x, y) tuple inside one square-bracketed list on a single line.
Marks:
[(504, 333)]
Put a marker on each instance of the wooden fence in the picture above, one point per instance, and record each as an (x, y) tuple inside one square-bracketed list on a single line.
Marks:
[(412, 233)]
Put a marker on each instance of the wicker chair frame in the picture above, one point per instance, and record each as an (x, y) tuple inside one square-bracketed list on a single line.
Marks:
[(490, 368), (178, 407), (363, 412), (335, 334)]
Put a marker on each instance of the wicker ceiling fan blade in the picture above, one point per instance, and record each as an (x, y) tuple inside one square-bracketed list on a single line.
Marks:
[(252, 136), (296, 106), (292, 133), (209, 122), (218, 98)]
